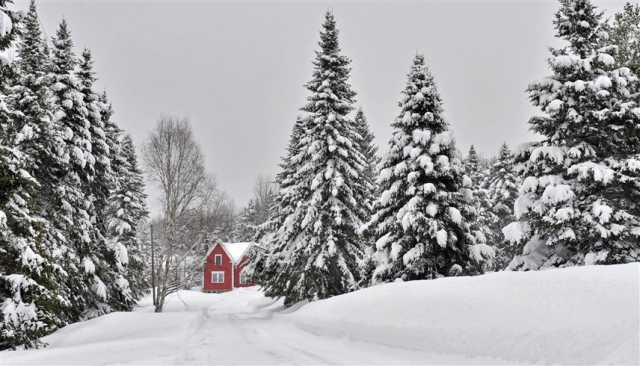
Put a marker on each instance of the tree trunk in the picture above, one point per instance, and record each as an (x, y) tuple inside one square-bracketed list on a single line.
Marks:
[(159, 305), (153, 269)]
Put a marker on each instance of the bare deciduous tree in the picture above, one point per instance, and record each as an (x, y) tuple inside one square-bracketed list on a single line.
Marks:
[(174, 161)]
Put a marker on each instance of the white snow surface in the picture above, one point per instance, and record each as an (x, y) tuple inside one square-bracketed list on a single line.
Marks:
[(580, 315)]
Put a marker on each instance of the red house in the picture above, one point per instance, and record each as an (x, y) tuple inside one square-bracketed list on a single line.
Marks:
[(223, 267)]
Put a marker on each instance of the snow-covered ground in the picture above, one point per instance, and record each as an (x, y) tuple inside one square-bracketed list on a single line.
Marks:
[(586, 315)]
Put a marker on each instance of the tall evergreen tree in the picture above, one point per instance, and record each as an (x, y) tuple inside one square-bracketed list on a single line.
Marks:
[(502, 190), (125, 212), (577, 200), (422, 216), (56, 188), (318, 244), (110, 257), (87, 291), (20, 320), (39, 141), (370, 153), (138, 212)]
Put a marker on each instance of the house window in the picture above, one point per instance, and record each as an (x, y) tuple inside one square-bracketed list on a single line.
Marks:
[(217, 277), (217, 259), (244, 277)]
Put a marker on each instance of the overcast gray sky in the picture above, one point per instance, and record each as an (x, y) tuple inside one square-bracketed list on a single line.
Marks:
[(236, 69)]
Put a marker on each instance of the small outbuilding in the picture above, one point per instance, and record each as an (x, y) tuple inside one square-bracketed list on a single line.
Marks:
[(224, 267)]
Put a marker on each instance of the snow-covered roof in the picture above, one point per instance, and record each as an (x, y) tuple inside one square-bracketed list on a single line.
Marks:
[(235, 250)]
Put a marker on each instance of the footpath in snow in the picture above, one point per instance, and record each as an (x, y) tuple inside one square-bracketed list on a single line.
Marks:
[(585, 315)]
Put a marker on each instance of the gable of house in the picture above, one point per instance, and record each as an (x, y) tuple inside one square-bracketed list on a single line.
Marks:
[(218, 269)]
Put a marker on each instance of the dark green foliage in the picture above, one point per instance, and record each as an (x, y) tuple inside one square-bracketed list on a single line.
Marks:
[(579, 23), (314, 251), (370, 153), (28, 282), (576, 202), (125, 211), (422, 217), (57, 262)]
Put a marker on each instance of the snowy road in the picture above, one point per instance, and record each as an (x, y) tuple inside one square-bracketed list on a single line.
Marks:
[(238, 328)]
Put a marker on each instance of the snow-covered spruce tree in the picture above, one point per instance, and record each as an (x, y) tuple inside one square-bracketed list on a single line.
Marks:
[(625, 33), (31, 258), (422, 218), (116, 221), (125, 212), (109, 255), (76, 217), (283, 205), (318, 245), (485, 220), (370, 153), (137, 210), (21, 322), (502, 188), (577, 202)]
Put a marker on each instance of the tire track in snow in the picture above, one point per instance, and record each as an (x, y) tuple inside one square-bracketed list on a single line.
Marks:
[(194, 340), (262, 347), (264, 331)]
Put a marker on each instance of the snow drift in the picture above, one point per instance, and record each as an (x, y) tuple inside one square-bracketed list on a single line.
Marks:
[(580, 315)]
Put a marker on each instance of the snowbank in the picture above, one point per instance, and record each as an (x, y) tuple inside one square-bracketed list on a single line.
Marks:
[(585, 315), (581, 315)]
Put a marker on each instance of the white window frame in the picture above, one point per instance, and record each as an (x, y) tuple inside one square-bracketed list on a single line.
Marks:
[(215, 259), (213, 276)]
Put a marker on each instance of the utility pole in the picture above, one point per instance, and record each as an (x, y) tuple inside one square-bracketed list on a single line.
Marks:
[(153, 268)]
